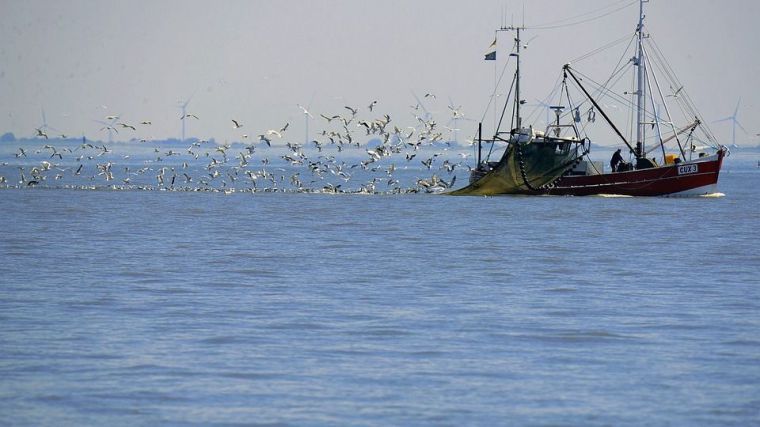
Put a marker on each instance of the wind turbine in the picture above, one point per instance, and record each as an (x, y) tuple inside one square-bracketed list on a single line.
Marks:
[(109, 126), (427, 116), (183, 106), (44, 126), (734, 122)]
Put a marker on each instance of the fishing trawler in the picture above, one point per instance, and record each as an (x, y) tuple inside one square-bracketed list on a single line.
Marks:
[(663, 159)]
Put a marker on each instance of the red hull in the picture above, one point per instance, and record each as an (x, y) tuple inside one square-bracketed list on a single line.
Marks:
[(697, 175)]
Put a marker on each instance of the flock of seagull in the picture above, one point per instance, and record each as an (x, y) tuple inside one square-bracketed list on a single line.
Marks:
[(351, 154)]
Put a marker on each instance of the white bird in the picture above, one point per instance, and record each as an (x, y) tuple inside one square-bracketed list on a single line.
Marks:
[(236, 124), (305, 111)]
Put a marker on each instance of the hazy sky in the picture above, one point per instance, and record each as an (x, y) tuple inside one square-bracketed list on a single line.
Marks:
[(254, 61)]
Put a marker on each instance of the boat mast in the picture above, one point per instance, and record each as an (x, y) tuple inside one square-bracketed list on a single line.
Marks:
[(518, 119), (516, 82), (640, 84)]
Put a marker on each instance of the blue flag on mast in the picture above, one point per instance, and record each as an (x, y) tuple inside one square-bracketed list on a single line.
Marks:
[(491, 52)]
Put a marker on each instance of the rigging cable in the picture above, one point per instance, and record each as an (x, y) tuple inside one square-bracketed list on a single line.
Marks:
[(602, 48), (602, 89), (495, 89), (492, 98), (683, 99), (496, 133), (544, 103), (618, 73), (551, 25), (651, 67)]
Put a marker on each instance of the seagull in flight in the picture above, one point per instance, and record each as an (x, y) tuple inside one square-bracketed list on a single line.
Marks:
[(41, 133), (263, 137), (676, 93), (372, 105), (189, 115), (330, 119), (305, 111), (236, 124)]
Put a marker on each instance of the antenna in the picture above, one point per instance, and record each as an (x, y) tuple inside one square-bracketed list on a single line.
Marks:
[(558, 112)]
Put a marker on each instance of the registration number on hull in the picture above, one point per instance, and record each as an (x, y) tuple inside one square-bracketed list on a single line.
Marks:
[(687, 169)]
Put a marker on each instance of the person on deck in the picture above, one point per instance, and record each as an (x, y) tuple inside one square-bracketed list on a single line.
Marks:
[(617, 158)]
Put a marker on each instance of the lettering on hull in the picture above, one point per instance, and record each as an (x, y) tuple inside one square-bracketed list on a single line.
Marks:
[(687, 169)]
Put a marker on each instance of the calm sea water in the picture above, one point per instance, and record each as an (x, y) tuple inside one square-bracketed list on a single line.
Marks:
[(177, 308)]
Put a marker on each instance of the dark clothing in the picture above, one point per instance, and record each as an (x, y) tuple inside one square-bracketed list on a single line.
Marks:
[(617, 158)]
